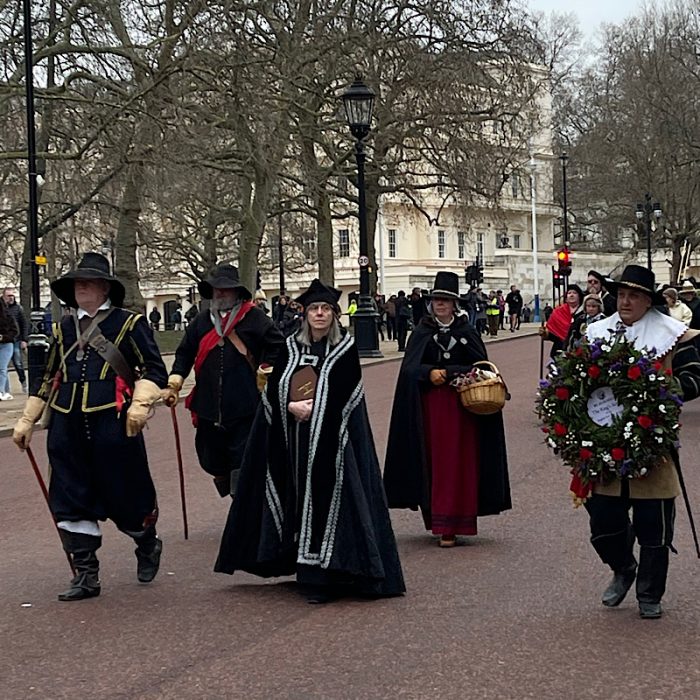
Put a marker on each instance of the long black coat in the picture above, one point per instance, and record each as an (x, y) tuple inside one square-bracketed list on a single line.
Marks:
[(407, 478), (323, 506)]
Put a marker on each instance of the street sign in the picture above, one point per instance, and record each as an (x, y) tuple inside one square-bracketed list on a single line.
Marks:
[(40, 259), (363, 260)]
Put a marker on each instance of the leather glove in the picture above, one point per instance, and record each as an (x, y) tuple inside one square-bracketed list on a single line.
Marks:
[(301, 410), (543, 331), (264, 371), (171, 393), (438, 376), (22, 434), (146, 393)]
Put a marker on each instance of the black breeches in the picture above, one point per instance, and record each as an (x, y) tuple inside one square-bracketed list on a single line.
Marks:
[(220, 450), (97, 472)]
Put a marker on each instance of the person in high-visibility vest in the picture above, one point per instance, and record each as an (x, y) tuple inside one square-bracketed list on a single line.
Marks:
[(492, 313)]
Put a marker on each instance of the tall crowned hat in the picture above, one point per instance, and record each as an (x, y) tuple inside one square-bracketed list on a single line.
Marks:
[(446, 286), (641, 279), (223, 277), (319, 292), (93, 266)]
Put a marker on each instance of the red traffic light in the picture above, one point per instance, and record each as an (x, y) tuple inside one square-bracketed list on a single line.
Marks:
[(564, 259)]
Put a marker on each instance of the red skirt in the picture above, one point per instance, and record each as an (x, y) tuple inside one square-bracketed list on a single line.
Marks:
[(452, 449)]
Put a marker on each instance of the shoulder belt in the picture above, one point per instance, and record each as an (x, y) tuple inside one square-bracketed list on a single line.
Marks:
[(111, 354), (238, 343)]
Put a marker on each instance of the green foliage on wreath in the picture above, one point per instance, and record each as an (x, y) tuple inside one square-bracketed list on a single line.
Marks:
[(645, 430)]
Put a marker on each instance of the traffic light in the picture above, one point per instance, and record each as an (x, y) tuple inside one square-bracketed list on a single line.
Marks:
[(557, 278), (564, 259), (190, 295), (480, 273)]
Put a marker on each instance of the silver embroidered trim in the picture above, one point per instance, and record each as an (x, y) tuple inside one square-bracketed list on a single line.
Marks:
[(273, 502)]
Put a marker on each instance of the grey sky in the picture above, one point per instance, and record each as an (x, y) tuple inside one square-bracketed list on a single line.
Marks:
[(590, 12)]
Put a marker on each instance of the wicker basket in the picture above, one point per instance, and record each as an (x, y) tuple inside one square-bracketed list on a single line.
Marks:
[(486, 397)]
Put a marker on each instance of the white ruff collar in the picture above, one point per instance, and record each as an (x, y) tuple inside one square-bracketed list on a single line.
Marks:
[(653, 330)]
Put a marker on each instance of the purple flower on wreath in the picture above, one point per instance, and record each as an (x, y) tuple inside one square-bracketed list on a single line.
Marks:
[(544, 384), (625, 467), (616, 366)]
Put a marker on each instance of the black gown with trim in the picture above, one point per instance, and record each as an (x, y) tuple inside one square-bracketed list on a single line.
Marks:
[(310, 499)]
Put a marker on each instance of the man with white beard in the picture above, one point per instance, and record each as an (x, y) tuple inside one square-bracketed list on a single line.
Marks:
[(231, 345)]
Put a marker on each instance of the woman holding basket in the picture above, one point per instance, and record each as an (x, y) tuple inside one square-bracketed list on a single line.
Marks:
[(441, 458)]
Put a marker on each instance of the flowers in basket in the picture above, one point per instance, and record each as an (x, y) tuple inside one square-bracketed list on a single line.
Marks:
[(609, 410), (475, 376)]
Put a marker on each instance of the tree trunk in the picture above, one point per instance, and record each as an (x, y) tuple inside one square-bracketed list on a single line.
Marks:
[(126, 241), (324, 237), (372, 193)]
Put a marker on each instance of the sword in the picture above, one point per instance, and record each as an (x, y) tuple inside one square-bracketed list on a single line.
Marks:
[(42, 486), (181, 471)]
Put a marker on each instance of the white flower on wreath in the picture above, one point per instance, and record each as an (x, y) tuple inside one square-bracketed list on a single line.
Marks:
[(662, 408), (634, 409), (586, 443)]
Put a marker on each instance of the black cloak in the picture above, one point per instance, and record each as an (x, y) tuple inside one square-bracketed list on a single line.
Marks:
[(337, 520), (407, 477)]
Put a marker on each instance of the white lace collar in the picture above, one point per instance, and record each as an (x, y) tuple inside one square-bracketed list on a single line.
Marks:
[(654, 330)]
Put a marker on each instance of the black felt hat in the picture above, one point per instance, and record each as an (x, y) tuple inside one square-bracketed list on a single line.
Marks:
[(319, 292), (446, 286), (93, 266), (223, 277), (641, 279)]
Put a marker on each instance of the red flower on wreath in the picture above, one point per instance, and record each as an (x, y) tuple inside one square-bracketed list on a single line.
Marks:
[(594, 372), (585, 453), (634, 372), (617, 453), (560, 429), (645, 422), (562, 393), (657, 365)]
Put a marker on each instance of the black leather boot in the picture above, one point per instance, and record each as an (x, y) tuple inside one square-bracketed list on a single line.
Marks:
[(82, 548), (651, 581), (148, 550), (622, 581), (616, 551)]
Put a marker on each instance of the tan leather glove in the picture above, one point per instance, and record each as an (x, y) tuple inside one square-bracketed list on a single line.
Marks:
[(264, 371), (171, 393), (146, 393), (24, 427), (438, 376)]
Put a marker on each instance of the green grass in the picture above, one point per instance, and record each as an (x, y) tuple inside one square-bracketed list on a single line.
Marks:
[(168, 340)]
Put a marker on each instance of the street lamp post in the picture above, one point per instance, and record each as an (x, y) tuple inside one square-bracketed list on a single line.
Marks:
[(38, 342), (535, 262), (564, 160), (644, 213), (358, 100)]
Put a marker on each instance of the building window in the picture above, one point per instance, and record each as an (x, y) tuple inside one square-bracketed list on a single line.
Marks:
[(480, 246), (343, 243), (460, 245), (392, 242), (516, 240), (309, 245), (441, 244), (515, 187)]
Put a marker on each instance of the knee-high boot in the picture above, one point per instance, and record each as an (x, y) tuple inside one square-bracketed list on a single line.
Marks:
[(616, 551), (148, 550), (651, 580), (82, 548)]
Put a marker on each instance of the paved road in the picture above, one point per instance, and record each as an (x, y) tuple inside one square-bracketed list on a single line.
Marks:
[(514, 613)]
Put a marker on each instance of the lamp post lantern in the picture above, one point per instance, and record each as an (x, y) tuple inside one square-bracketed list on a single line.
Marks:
[(564, 158), (645, 212), (358, 100)]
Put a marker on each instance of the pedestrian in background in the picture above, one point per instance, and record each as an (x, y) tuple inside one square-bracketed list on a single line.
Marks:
[(592, 310), (20, 345), (103, 377), (514, 301), (8, 334), (154, 317), (403, 317), (440, 458), (390, 307), (493, 313), (177, 319), (310, 499), (688, 295), (596, 284), (556, 329), (501, 309), (191, 313), (676, 308), (230, 346)]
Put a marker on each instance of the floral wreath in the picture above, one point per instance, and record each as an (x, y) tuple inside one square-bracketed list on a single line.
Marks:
[(609, 411)]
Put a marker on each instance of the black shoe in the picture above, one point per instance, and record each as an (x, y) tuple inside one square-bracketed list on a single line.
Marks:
[(650, 611), (86, 582), (148, 559), (319, 595), (617, 590)]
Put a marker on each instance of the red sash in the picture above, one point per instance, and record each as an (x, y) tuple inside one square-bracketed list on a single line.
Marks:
[(207, 343)]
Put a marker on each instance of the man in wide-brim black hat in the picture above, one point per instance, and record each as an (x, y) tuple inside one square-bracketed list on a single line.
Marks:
[(651, 498), (104, 374), (232, 346)]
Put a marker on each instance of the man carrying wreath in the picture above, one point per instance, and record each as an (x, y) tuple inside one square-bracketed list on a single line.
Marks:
[(652, 497)]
